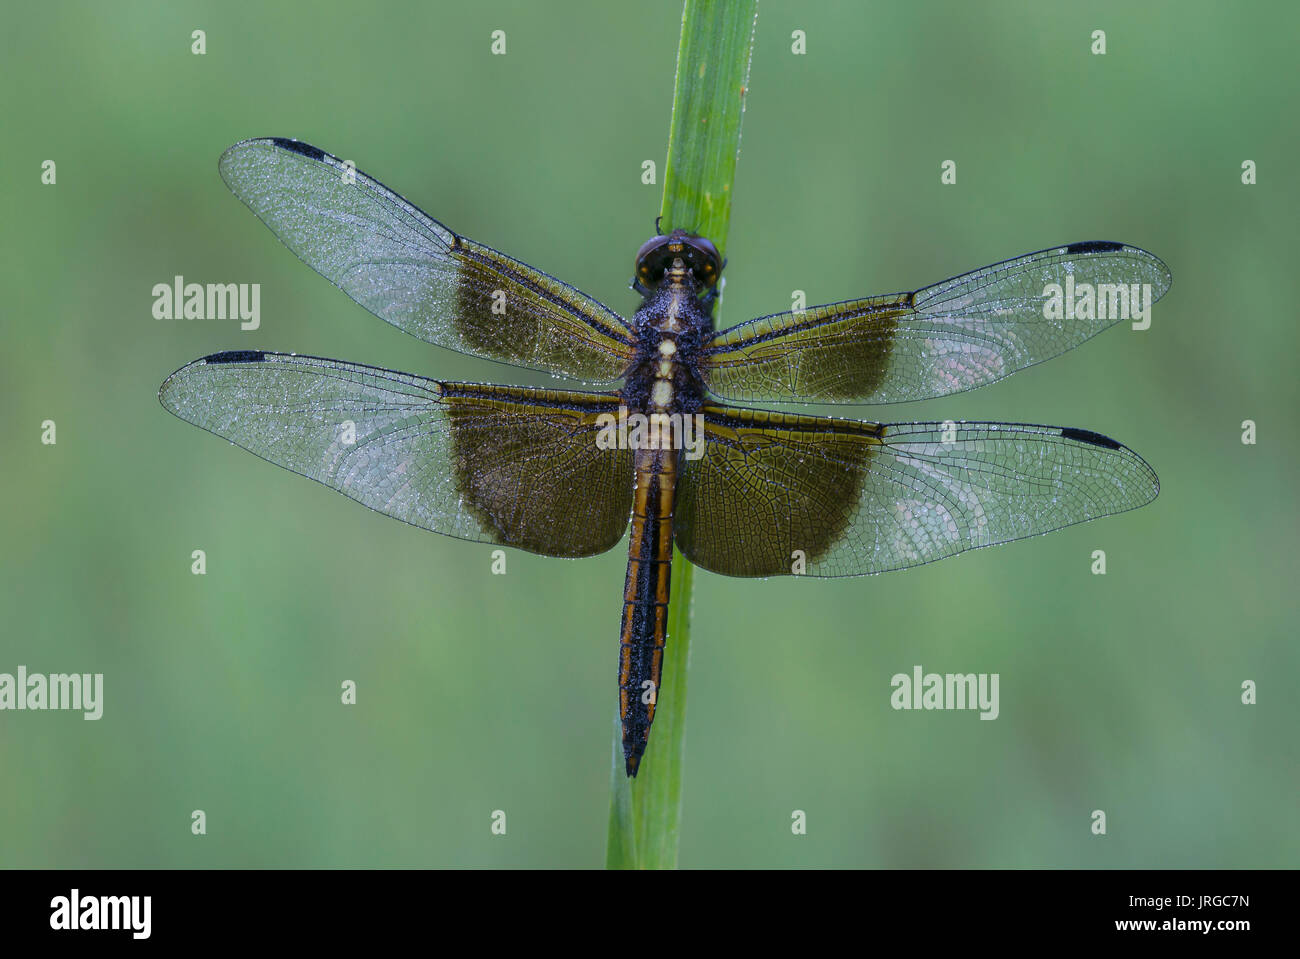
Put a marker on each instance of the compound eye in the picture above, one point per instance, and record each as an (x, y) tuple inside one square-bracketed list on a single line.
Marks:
[(649, 256), (709, 250), (704, 259)]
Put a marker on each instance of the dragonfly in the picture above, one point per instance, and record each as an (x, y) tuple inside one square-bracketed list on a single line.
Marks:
[(653, 443)]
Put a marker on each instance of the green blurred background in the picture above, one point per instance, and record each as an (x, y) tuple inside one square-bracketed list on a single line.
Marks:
[(481, 692)]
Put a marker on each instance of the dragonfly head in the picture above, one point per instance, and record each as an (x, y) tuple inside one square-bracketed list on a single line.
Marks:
[(696, 254)]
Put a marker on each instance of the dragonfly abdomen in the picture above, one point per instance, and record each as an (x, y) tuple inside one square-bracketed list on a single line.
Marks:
[(645, 598)]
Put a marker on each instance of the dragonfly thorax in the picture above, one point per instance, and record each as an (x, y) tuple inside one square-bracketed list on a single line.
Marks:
[(671, 325)]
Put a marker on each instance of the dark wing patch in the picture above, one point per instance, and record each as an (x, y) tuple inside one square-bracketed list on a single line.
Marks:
[(494, 464), (769, 484)]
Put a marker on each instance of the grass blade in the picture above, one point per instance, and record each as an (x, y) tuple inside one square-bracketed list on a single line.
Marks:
[(703, 145)]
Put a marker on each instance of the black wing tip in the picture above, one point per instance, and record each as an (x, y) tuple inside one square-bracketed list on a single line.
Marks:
[(229, 357), (288, 144), (234, 356), (1088, 436), (1110, 246), (298, 146), (1106, 443), (1095, 246)]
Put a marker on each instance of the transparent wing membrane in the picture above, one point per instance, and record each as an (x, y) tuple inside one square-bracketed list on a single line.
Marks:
[(956, 335), (410, 270), (495, 464)]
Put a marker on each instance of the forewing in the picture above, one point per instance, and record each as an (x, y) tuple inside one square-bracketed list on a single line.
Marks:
[(953, 336), (410, 270), (777, 494), (506, 465)]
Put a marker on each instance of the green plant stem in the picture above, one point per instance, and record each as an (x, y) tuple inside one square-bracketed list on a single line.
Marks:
[(703, 145)]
